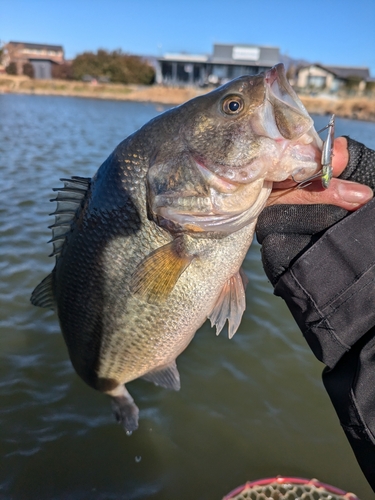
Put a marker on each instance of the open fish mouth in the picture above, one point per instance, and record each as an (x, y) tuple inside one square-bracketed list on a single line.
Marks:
[(285, 120), (290, 115), (276, 79)]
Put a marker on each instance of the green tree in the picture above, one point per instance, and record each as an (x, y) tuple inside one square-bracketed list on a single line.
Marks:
[(62, 71), (11, 69), (28, 70), (117, 66)]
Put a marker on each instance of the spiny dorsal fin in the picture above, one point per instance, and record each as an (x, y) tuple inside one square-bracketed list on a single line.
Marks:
[(69, 199), (42, 296), (167, 377), (156, 276), (230, 304)]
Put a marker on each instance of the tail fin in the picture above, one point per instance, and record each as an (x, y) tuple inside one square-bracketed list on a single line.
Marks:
[(124, 408)]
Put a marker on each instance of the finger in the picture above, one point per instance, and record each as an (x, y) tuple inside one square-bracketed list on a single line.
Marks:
[(344, 194), (340, 156)]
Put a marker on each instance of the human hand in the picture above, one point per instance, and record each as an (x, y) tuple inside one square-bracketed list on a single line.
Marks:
[(342, 193), (299, 217)]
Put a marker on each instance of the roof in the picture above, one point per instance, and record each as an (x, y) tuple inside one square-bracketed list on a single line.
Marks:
[(344, 71), (39, 46), (239, 55), (347, 71), (185, 57)]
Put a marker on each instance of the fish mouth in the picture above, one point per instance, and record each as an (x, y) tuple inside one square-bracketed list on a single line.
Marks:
[(291, 120), (220, 183), (285, 120), (276, 80), (227, 206), (224, 223)]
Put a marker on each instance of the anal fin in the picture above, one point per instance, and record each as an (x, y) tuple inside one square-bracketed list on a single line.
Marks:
[(167, 377), (230, 304), (155, 277)]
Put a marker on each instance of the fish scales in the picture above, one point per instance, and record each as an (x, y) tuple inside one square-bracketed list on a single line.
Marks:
[(174, 322), (157, 237)]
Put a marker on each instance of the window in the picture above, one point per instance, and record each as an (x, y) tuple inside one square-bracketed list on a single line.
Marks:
[(318, 82)]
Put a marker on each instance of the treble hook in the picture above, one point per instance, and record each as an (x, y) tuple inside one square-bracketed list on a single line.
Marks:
[(326, 172)]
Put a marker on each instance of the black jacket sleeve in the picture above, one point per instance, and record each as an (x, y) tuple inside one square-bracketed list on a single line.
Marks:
[(330, 291), (328, 284)]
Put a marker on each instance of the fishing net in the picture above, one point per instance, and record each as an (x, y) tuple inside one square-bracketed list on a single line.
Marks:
[(288, 488)]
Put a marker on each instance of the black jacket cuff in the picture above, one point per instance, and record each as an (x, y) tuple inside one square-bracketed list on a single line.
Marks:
[(330, 288)]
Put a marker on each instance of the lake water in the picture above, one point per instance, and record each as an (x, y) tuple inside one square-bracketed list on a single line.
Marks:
[(248, 408)]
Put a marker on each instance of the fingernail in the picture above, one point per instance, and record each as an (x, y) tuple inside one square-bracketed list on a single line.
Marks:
[(354, 193)]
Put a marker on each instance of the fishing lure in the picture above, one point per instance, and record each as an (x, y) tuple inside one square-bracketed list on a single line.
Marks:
[(326, 172)]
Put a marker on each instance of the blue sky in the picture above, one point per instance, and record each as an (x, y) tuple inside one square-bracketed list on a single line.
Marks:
[(332, 32)]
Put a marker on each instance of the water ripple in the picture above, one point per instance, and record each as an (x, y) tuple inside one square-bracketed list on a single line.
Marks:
[(58, 439)]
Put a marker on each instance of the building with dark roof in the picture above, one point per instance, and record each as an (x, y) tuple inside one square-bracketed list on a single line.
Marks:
[(330, 78), (41, 57), (226, 62)]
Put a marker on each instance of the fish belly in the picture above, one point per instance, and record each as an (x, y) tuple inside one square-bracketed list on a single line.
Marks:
[(142, 337)]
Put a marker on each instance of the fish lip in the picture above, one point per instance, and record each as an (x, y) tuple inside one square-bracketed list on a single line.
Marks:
[(272, 74), (278, 73), (219, 182), (217, 222)]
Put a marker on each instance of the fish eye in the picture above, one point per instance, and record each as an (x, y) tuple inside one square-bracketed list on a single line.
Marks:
[(232, 105)]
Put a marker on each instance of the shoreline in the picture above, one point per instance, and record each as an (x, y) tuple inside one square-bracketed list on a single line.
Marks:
[(357, 108)]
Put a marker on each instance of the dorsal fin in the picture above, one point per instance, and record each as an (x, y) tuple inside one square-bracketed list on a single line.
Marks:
[(69, 199)]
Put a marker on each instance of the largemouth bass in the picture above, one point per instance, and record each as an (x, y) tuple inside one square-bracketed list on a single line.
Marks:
[(152, 245)]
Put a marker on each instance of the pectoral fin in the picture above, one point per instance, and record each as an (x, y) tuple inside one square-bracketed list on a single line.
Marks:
[(230, 304), (167, 377), (42, 296), (156, 276)]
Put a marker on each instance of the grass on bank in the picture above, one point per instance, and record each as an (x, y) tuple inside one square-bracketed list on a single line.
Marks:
[(358, 108), (361, 108), (18, 84)]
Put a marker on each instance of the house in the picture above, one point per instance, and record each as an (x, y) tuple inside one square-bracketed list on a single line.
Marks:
[(227, 61), (41, 57), (331, 78)]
